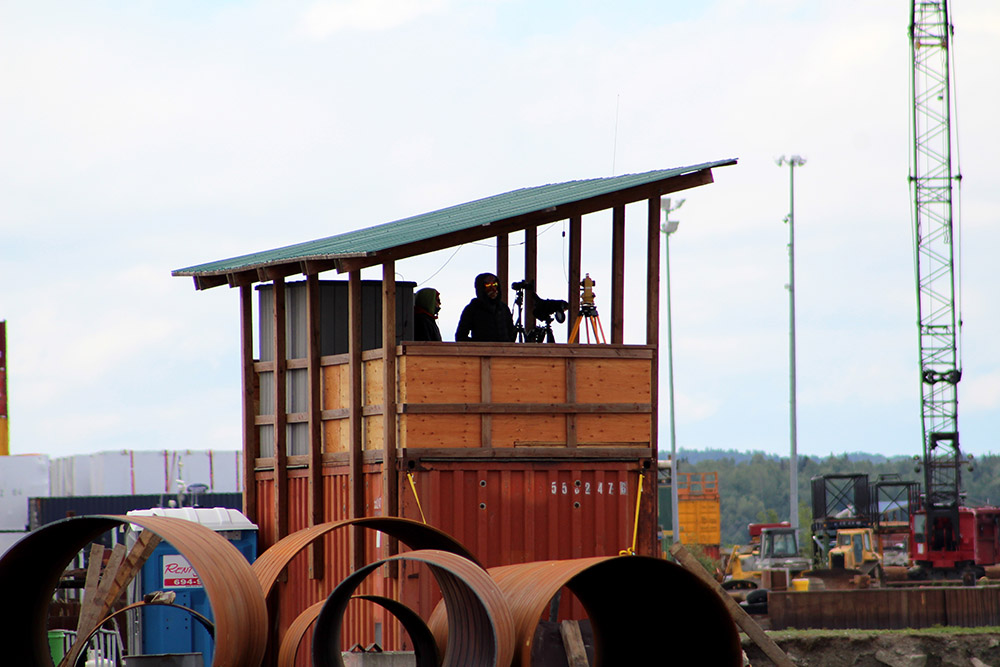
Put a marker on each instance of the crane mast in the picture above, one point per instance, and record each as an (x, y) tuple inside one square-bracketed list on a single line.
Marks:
[(931, 181)]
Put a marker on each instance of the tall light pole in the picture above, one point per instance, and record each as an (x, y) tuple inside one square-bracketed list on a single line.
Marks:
[(792, 162), (669, 228)]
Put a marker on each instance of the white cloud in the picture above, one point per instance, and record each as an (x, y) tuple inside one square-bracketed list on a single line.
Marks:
[(323, 19)]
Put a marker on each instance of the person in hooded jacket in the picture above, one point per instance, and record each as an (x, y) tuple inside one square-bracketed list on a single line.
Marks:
[(486, 318), (426, 306)]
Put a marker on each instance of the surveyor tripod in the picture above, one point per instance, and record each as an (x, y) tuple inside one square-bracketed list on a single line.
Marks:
[(588, 312)]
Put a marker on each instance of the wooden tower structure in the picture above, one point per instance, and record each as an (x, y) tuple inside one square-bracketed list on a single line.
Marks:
[(343, 417)]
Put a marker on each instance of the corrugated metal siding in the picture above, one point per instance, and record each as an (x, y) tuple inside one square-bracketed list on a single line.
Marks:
[(893, 608), (445, 221), (505, 511), (297, 592), (516, 511)]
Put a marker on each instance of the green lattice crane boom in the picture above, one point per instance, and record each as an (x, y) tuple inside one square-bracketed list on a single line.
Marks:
[(935, 242)]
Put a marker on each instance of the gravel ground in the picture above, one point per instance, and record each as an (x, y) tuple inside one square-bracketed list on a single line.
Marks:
[(895, 649)]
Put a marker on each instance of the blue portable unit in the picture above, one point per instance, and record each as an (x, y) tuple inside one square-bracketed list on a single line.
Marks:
[(165, 630)]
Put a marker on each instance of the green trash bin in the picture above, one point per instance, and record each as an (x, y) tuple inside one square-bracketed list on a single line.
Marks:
[(57, 645)]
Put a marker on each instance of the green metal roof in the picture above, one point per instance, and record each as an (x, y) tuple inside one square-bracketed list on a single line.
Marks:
[(518, 209)]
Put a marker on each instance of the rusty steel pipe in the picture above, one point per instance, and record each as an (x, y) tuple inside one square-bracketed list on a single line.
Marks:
[(642, 610), (415, 535), (296, 631), (424, 648), (30, 572), (480, 631)]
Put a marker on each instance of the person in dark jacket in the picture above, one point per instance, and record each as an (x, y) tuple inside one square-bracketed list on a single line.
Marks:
[(486, 318), (426, 306)]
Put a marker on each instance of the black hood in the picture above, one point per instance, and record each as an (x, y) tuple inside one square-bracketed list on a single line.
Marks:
[(481, 280)]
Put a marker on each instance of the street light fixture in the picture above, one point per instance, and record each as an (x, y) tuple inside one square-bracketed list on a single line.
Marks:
[(792, 162), (669, 227)]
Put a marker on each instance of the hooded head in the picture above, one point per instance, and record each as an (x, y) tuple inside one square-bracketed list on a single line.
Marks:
[(429, 300), (487, 286)]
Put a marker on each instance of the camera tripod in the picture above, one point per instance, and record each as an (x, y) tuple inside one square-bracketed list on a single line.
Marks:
[(588, 312), (519, 302), (543, 333)]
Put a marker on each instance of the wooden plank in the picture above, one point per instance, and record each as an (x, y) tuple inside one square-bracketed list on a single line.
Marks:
[(280, 421), (576, 651), (614, 381), (529, 430), (250, 403), (571, 436), (356, 502), (523, 408), (609, 428), (440, 380), (539, 380), (373, 430), (137, 557), (90, 583), (486, 396), (742, 619), (435, 430), (618, 275), (316, 558), (417, 349), (603, 454), (95, 607), (335, 387), (374, 382)]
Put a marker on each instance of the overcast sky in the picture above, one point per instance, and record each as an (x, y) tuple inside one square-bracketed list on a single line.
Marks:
[(138, 138)]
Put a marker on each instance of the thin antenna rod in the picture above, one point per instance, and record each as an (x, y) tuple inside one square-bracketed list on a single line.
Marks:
[(614, 149)]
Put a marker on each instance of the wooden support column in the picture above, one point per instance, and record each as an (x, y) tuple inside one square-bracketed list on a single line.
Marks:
[(531, 274), (316, 513), (390, 474), (503, 265), (356, 501), (618, 276), (653, 314), (251, 399), (280, 416), (573, 293)]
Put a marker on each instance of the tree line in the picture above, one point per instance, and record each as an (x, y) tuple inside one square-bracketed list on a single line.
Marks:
[(754, 487)]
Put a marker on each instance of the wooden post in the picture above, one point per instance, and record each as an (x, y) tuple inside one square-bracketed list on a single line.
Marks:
[(356, 502), (573, 291), (743, 619), (280, 416), (503, 265), (618, 276), (576, 650), (251, 398), (315, 375), (390, 474), (530, 273), (653, 318)]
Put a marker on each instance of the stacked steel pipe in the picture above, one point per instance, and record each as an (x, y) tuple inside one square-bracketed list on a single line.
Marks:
[(642, 610)]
